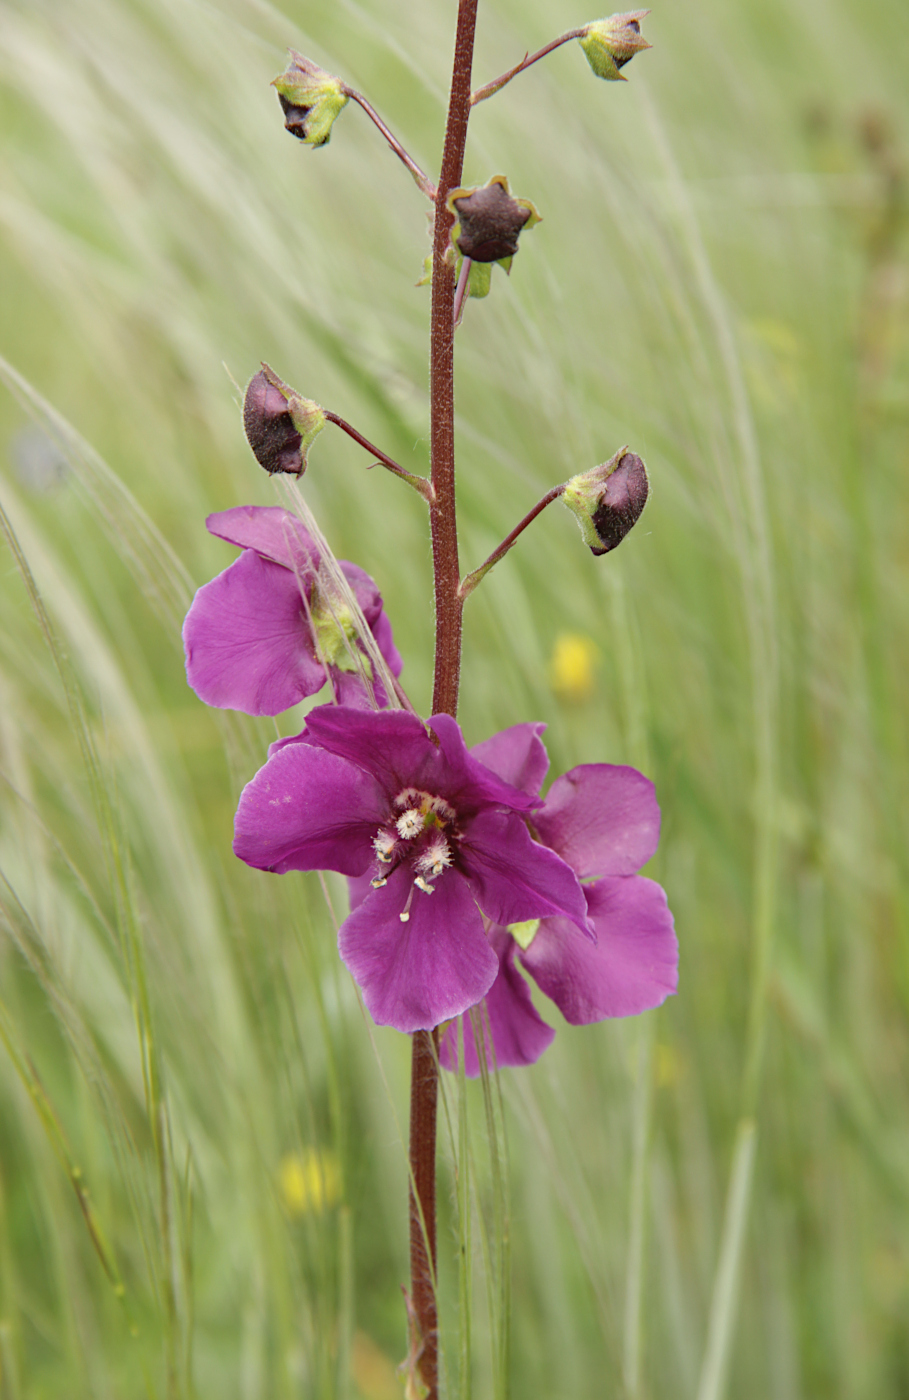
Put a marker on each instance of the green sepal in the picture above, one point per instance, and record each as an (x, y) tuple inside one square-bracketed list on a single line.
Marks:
[(524, 934), (311, 99), (611, 43), (479, 279), (336, 635)]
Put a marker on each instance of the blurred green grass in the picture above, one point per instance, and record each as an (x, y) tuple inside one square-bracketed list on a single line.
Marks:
[(721, 280)]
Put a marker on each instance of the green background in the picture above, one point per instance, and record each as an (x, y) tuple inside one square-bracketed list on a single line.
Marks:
[(708, 1200)]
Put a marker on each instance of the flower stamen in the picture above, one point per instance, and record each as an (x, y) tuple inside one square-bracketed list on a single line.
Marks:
[(435, 859), (404, 915), (410, 824), (384, 845)]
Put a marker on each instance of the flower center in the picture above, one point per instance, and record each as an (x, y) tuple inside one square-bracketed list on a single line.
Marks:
[(420, 829)]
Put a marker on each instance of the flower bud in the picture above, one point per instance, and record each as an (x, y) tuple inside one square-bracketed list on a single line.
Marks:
[(310, 98), (611, 43), (489, 221), (280, 424), (608, 500)]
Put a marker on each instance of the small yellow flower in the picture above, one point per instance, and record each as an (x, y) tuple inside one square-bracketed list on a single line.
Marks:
[(572, 666), (309, 1181), (669, 1066)]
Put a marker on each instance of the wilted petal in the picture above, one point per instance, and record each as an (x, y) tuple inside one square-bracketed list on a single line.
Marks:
[(417, 974), (514, 878), (602, 819), (632, 967), (275, 533), (519, 1034), (308, 810), (518, 755), (247, 640)]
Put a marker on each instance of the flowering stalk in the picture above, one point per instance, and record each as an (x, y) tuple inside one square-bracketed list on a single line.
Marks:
[(459, 869), (448, 609)]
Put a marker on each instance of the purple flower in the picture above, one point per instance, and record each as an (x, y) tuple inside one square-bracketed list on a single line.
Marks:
[(436, 838), (604, 822), (257, 636)]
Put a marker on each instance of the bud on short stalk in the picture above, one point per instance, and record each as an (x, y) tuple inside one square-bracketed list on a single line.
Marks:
[(608, 500), (611, 43), (280, 424), (311, 100), (489, 220)]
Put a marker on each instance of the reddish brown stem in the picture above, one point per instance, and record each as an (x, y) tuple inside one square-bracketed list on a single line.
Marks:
[(423, 1100), (448, 606), (443, 519)]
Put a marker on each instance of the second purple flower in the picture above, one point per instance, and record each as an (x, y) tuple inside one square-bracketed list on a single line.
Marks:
[(440, 838), (267, 633)]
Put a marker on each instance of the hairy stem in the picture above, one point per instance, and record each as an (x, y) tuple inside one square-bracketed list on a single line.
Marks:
[(424, 1085), (497, 84), (446, 572), (448, 607), (419, 483), (423, 180), (471, 580)]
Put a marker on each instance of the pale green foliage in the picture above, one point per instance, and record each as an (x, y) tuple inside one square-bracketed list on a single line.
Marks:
[(720, 282)]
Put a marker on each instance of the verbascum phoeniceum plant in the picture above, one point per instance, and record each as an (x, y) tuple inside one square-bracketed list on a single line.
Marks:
[(463, 873)]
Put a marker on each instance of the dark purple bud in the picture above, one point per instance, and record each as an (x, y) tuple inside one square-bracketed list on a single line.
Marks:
[(623, 499), (279, 423), (608, 500), (489, 221)]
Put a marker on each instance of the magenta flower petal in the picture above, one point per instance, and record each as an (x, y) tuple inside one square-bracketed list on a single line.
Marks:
[(358, 887), (308, 810), (352, 690), (518, 1032), (274, 533), (476, 785), (515, 879), (247, 640), (385, 641), (602, 819), (281, 542), (632, 967), (518, 755), (392, 744), (421, 972)]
